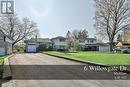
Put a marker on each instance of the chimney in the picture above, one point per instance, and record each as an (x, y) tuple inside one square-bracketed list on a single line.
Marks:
[(36, 38)]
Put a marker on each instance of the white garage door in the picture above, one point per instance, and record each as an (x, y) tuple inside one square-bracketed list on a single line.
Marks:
[(104, 48), (2, 51), (31, 48)]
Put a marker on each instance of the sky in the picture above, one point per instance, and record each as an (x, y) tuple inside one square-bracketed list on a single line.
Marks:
[(56, 17)]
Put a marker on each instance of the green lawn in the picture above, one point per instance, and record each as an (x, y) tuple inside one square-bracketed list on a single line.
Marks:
[(2, 59), (97, 57), (1, 67)]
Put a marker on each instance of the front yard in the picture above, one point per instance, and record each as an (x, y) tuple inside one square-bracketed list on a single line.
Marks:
[(97, 57), (1, 59), (1, 67)]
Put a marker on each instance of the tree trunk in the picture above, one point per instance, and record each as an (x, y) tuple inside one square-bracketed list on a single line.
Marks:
[(111, 47)]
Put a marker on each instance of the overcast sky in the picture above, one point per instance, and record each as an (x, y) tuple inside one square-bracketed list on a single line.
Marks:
[(56, 17)]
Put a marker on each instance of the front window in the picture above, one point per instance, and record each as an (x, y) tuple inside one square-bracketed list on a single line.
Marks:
[(91, 41), (81, 41), (62, 40)]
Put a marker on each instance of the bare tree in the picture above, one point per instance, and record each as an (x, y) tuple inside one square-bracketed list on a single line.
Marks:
[(126, 35), (72, 38), (16, 29), (119, 38), (83, 34), (75, 34), (112, 16), (80, 34)]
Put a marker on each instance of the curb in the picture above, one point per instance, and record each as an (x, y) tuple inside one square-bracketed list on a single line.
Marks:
[(85, 62), (7, 74)]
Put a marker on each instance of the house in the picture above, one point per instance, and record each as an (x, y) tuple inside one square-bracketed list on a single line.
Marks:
[(90, 44), (37, 44), (59, 43), (5, 44), (122, 44)]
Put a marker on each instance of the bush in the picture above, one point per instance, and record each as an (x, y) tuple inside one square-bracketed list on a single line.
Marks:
[(44, 48)]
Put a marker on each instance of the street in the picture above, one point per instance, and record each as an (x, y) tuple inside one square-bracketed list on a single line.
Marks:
[(42, 59)]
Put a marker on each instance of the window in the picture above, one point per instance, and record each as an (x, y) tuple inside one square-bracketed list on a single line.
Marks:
[(81, 41), (62, 40), (91, 41)]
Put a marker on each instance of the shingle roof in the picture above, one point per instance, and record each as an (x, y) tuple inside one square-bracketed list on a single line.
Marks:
[(59, 37), (103, 44), (90, 38), (47, 40), (40, 40)]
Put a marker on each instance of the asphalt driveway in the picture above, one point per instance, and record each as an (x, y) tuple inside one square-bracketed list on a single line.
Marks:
[(41, 59)]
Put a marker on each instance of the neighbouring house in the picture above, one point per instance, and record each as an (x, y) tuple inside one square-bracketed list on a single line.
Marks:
[(59, 43), (38, 44), (90, 44), (124, 39), (122, 44), (5, 44)]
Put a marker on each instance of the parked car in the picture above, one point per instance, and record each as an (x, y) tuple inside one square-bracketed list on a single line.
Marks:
[(122, 50), (126, 51)]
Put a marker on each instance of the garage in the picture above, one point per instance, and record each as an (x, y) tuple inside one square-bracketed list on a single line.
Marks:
[(103, 47), (2, 51), (31, 48)]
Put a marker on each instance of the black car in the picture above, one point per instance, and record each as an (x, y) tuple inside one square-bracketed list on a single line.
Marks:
[(126, 51)]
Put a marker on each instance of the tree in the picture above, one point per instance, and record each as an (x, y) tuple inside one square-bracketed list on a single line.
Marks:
[(72, 38), (16, 29), (69, 39), (119, 38), (80, 34), (83, 34), (111, 17), (75, 34), (126, 35)]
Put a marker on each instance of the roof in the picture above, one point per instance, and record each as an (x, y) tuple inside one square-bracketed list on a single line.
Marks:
[(59, 37), (120, 44), (40, 40), (103, 44), (90, 38), (47, 40)]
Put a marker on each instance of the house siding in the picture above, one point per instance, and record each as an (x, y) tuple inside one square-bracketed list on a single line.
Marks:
[(59, 45), (5, 44)]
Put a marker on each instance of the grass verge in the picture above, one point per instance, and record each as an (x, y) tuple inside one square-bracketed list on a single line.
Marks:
[(97, 57), (1, 67)]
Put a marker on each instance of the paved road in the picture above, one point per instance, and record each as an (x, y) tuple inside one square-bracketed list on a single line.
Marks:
[(41, 59)]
